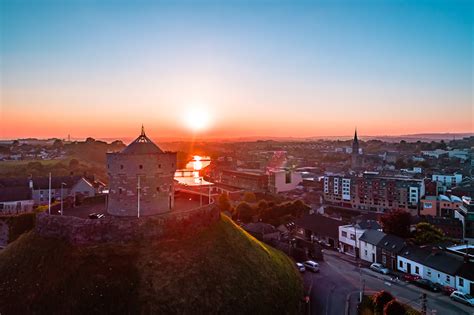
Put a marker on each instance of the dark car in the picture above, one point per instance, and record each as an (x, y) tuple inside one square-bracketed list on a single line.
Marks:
[(447, 290), (427, 284)]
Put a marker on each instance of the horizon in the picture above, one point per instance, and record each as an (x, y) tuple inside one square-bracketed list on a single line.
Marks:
[(231, 70)]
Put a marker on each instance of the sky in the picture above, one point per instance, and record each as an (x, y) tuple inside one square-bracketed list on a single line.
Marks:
[(225, 69)]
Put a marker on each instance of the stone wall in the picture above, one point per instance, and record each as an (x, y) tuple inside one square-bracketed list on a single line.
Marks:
[(79, 231)]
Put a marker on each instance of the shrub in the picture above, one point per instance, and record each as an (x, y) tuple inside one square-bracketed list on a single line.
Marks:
[(381, 299), (394, 308)]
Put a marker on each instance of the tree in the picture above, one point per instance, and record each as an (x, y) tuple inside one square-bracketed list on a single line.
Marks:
[(262, 205), (426, 233), (250, 197), (223, 202), (381, 299), (58, 144), (396, 222), (394, 308), (244, 212)]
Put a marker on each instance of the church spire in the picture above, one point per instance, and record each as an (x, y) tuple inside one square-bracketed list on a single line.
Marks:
[(143, 132), (356, 140)]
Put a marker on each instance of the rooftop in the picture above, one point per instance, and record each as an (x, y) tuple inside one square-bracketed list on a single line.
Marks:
[(142, 145)]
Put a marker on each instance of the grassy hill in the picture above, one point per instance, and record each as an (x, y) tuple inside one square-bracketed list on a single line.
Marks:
[(220, 270)]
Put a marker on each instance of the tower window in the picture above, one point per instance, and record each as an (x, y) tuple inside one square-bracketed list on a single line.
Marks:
[(140, 166), (159, 165), (121, 166), (120, 191), (158, 189)]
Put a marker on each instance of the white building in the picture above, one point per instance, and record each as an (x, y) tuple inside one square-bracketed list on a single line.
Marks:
[(349, 236), (410, 260), (282, 180), (368, 245)]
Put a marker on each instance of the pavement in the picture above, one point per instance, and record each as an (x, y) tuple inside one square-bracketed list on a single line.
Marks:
[(336, 289)]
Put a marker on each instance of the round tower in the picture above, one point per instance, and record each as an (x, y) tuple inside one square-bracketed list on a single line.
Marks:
[(141, 179)]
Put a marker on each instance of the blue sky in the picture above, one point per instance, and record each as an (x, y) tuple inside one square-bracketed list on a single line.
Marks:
[(311, 67)]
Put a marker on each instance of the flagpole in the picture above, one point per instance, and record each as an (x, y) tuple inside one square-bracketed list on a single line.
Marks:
[(49, 195)]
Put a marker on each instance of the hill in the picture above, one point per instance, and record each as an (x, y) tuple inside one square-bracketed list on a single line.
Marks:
[(219, 270)]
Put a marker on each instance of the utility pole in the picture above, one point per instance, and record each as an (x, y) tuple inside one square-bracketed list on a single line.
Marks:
[(62, 185), (423, 304), (49, 195)]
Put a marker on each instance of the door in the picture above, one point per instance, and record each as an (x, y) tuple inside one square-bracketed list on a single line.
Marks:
[(373, 257), (408, 268), (471, 288)]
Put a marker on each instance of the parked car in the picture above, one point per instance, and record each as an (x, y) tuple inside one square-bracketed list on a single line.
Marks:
[(447, 290), (462, 297), (411, 278), (427, 284), (300, 267), (311, 265), (96, 215), (379, 268)]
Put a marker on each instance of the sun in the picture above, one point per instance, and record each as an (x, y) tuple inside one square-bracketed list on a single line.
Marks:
[(197, 118)]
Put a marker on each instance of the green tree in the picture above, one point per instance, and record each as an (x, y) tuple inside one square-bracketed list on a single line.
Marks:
[(223, 202), (250, 197), (244, 212), (396, 222), (426, 233), (381, 299), (394, 308)]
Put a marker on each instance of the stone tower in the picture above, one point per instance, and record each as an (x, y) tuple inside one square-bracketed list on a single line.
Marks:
[(141, 179), (355, 161)]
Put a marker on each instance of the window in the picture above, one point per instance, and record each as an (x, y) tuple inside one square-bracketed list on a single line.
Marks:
[(400, 264), (461, 281), (121, 167), (120, 191), (448, 278), (159, 165), (344, 234), (287, 177), (140, 166), (2, 207), (158, 189), (353, 237), (417, 270), (365, 252)]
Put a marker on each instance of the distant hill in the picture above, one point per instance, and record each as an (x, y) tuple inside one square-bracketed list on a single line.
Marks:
[(220, 270)]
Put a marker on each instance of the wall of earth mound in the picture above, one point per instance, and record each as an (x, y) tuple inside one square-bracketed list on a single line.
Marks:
[(80, 231)]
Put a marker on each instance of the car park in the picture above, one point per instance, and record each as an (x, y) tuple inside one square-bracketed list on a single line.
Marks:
[(427, 284), (300, 267), (311, 265), (462, 297), (379, 268)]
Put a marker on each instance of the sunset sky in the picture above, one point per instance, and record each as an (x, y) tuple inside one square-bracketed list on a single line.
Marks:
[(255, 68)]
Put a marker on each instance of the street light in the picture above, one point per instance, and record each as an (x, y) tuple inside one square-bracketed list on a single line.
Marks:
[(62, 185)]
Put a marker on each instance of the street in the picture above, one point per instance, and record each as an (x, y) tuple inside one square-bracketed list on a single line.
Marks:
[(336, 288)]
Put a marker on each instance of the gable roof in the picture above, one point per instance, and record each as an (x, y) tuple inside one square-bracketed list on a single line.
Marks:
[(444, 262), (466, 271), (320, 225), (372, 236), (14, 194), (391, 243), (415, 253), (142, 145)]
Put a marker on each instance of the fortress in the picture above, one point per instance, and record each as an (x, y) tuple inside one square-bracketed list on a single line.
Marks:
[(141, 179)]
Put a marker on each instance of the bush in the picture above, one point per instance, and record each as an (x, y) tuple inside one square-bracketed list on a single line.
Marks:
[(250, 197), (381, 299), (244, 212), (394, 308)]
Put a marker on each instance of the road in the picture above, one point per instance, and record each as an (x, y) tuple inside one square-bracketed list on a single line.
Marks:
[(335, 290)]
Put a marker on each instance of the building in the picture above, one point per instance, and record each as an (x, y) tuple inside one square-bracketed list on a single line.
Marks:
[(15, 200), (465, 213), (349, 236), (368, 245), (451, 227), (441, 205), (141, 179), (465, 278), (410, 260), (356, 161), (441, 267), (283, 180), (250, 180), (446, 182), (319, 227), (388, 248), (374, 192)]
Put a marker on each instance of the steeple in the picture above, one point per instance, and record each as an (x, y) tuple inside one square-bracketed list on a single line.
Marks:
[(143, 132), (355, 137)]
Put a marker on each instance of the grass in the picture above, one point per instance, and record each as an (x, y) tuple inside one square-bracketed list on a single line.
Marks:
[(220, 270)]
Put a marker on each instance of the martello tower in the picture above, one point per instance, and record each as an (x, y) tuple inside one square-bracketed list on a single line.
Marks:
[(141, 179)]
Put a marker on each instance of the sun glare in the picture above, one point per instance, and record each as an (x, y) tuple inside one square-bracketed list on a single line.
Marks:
[(197, 118)]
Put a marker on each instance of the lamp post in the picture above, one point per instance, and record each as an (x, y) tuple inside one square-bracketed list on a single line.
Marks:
[(200, 191), (49, 195), (62, 185), (138, 197)]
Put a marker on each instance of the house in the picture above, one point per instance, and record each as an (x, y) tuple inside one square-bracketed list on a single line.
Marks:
[(441, 267), (368, 245), (465, 278), (15, 200), (388, 249), (350, 234), (262, 231), (320, 227), (411, 260)]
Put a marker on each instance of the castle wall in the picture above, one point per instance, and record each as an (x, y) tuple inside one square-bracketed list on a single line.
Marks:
[(156, 172), (79, 231)]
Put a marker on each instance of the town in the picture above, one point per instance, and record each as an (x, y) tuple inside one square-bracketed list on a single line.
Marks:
[(367, 215)]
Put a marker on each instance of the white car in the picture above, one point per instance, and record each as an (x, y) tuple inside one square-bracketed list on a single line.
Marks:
[(300, 267), (379, 268), (311, 265), (462, 297)]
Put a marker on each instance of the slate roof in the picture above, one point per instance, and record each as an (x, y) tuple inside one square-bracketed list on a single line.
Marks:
[(14, 194), (368, 225), (142, 145), (391, 243), (444, 262), (40, 182), (372, 236), (466, 271), (415, 253), (320, 225)]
